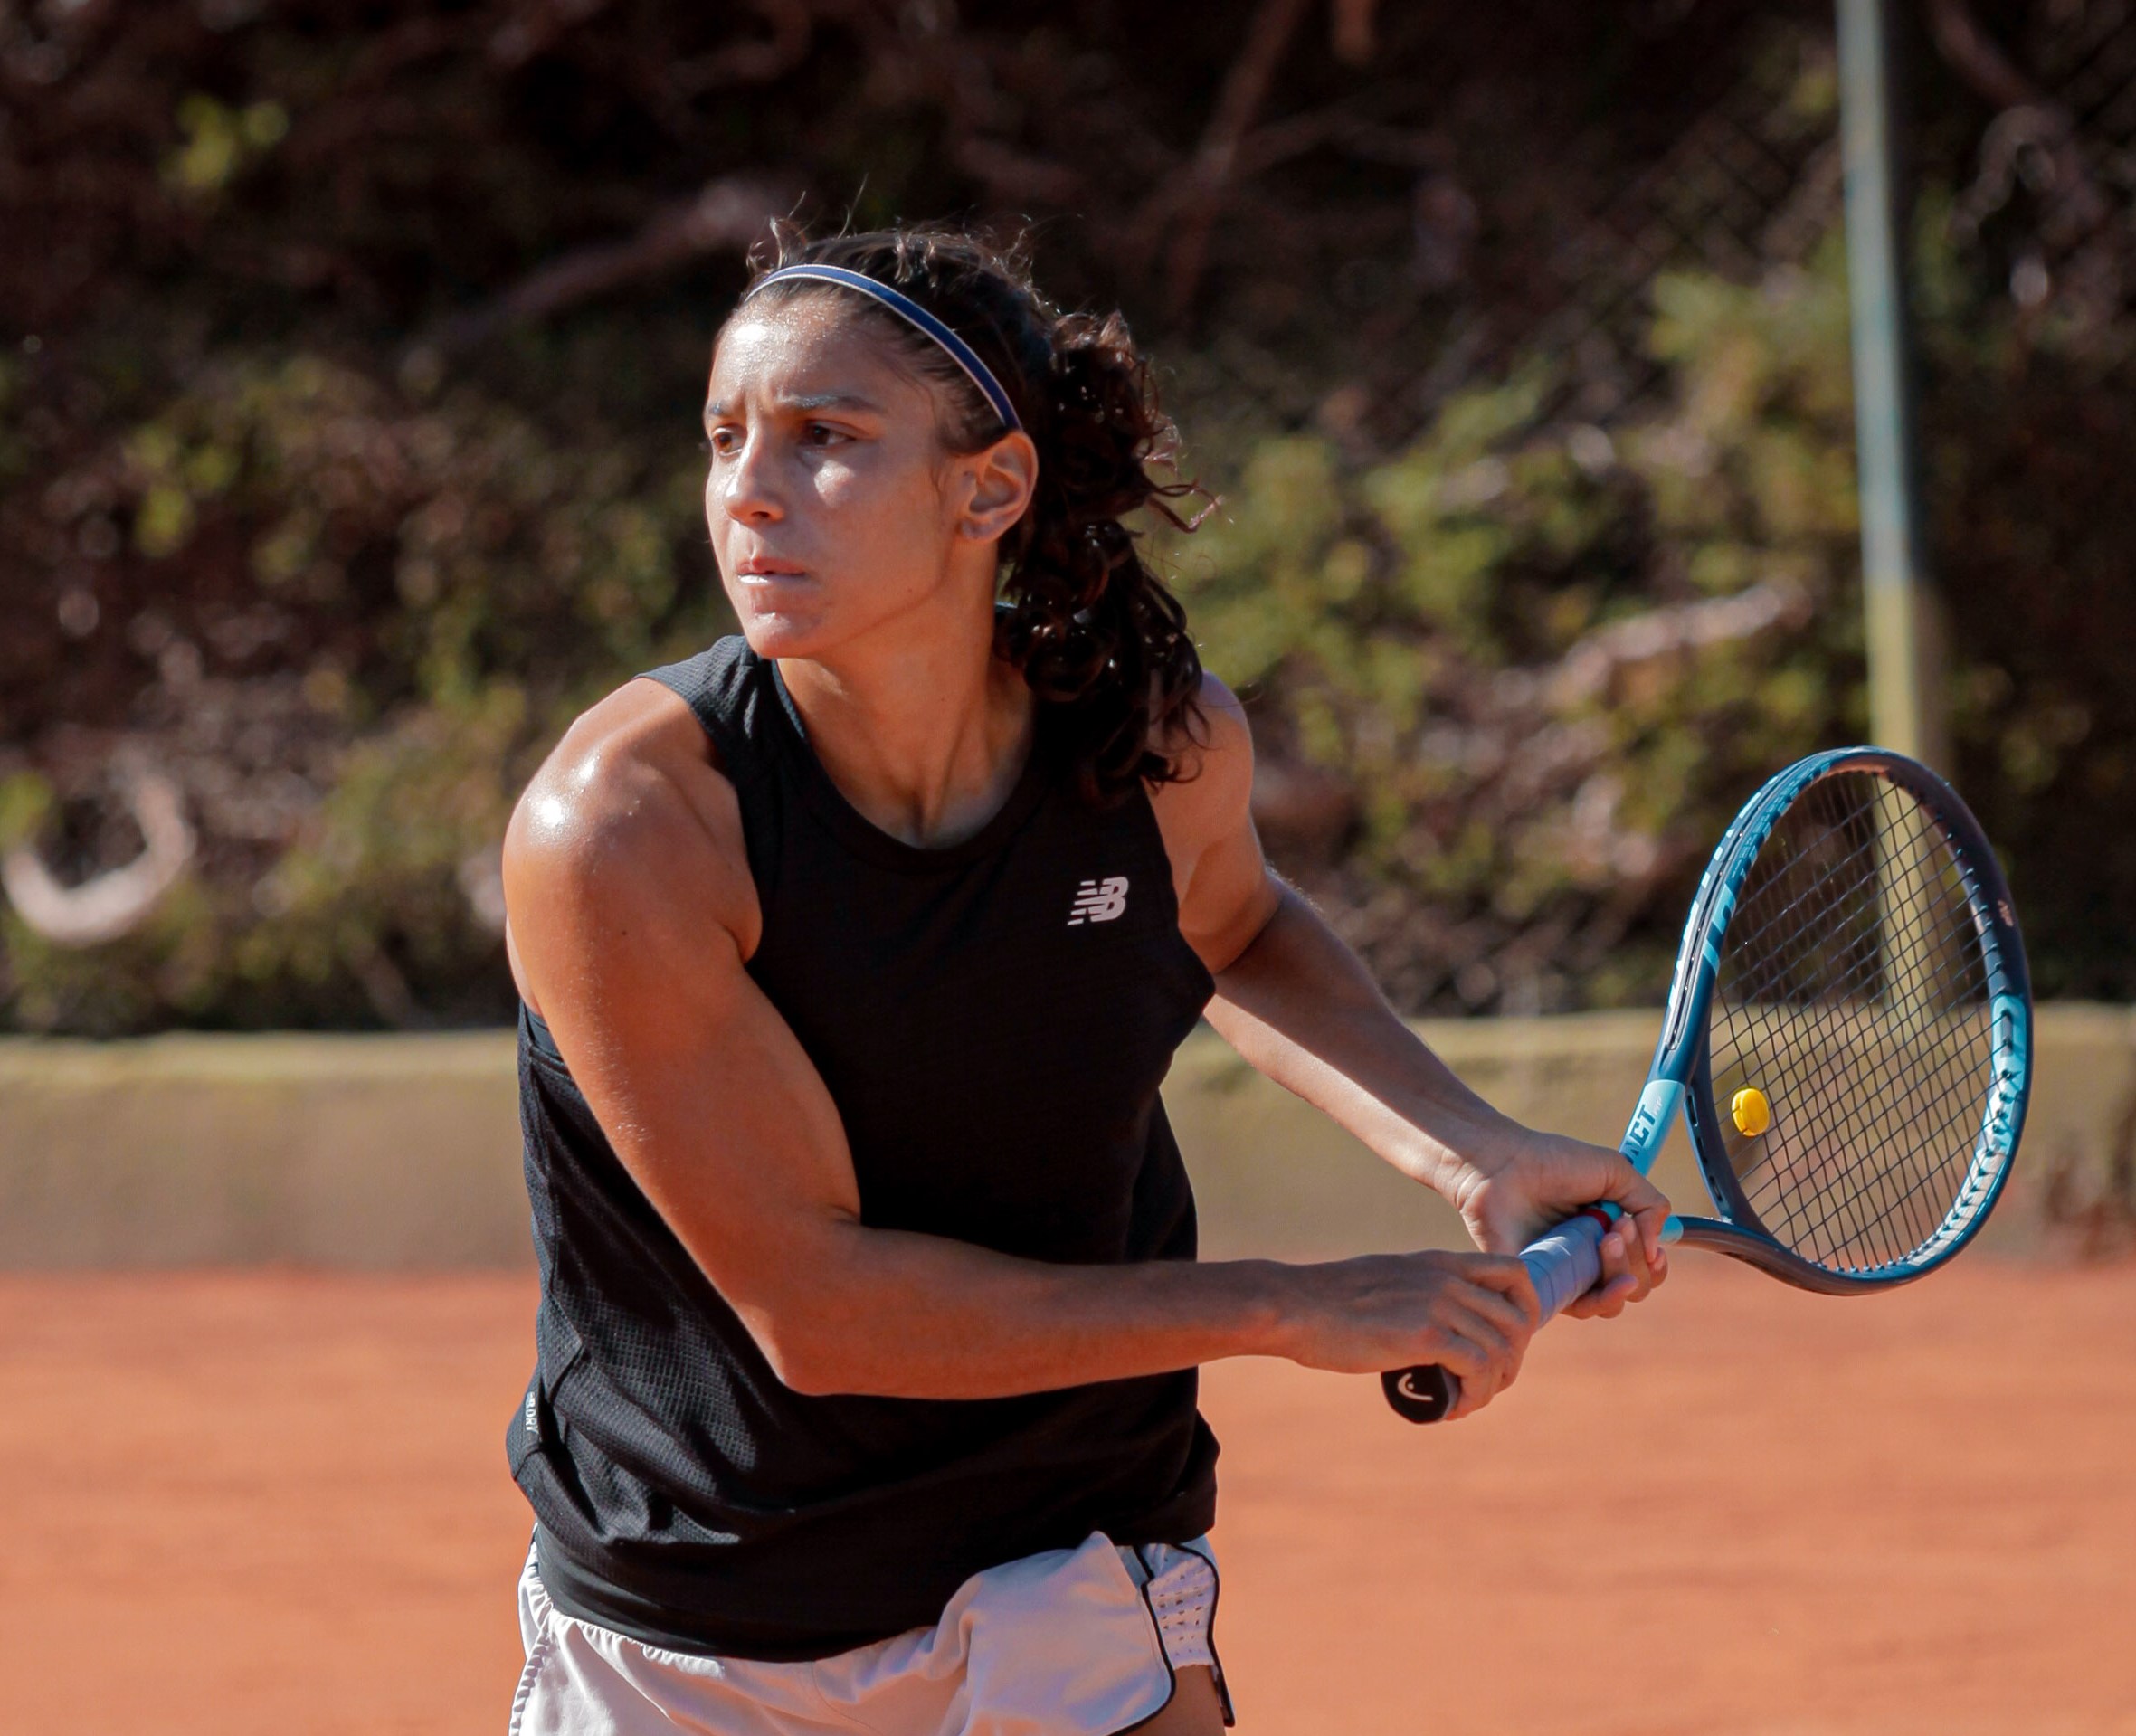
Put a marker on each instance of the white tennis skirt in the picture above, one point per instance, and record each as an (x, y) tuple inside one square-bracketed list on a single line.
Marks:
[(1080, 1641)]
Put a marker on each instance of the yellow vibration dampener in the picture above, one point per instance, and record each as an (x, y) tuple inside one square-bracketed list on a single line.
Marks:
[(1752, 1114)]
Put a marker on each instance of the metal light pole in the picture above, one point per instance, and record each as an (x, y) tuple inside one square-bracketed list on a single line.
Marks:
[(1905, 709)]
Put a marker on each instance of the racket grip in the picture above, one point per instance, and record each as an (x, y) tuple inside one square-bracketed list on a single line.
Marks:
[(1563, 1264)]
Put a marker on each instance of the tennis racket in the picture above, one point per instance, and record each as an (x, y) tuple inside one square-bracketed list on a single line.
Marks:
[(1849, 1037)]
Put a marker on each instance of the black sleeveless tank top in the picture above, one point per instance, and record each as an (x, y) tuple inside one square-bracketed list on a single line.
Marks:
[(993, 1020)]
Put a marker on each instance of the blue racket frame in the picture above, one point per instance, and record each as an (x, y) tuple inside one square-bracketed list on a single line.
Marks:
[(1565, 1262)]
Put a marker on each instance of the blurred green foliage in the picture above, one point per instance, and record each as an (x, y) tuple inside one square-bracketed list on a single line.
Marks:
[(269, 516), (1514, 829), (1434, 633), (438, 583)]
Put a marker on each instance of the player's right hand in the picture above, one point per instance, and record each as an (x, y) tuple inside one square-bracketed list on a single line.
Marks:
[(1472, 1313)]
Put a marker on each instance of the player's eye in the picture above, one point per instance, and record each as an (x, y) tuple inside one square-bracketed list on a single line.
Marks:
[(724, 442), (822, 433)]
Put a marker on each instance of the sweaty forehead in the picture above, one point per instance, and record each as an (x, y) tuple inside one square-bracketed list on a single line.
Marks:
[(810, 353)]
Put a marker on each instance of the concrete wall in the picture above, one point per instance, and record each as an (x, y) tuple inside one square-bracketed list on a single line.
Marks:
[(395, 1151), (189, 1150)]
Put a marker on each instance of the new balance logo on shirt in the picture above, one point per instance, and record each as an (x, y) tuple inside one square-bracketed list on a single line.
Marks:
[(1098, 901)]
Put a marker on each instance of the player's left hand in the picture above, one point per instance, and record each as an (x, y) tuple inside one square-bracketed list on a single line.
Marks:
[(1537, 1180)]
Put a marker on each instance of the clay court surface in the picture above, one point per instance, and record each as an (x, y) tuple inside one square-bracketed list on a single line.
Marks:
[(276, 1502)]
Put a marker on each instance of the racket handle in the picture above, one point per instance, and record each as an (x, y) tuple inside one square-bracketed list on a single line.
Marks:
[(1564, 1265)]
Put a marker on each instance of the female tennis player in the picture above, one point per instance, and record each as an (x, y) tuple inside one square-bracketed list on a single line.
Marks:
[(853, 952)]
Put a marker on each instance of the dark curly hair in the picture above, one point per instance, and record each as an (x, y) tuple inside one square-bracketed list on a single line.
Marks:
[(1095, 633)]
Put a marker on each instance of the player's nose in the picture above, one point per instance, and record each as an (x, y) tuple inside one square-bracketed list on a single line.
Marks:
[(746, 485)]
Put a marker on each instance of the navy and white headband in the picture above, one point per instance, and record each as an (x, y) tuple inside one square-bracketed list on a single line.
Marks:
[(915, 316)]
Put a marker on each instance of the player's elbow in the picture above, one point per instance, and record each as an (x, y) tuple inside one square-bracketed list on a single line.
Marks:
[(804, 1360), (806, 1338)]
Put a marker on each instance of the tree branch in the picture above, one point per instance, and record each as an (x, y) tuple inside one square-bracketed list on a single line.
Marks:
[(729, 212), (758, 62), (1216, 161), (1354, 39), (1973, 55), (2032, 128)]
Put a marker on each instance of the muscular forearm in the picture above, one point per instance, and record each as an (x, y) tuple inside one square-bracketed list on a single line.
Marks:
[(1302, 1010), (1299, 1005), (900, 1314)]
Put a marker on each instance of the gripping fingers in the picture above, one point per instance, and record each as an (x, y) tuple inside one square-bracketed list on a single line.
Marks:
[(1486, 1346), (1509, 1277), (1480, 1311), (1627, 1274), (1475, 1372), (1512, 1308)]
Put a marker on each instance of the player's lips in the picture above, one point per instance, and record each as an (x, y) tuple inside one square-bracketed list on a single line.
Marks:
[(763, 566)]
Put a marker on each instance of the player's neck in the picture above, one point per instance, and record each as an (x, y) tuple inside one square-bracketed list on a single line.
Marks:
[(926, 736)]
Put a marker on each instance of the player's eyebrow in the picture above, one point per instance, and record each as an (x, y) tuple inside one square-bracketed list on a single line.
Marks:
[(719, 410)]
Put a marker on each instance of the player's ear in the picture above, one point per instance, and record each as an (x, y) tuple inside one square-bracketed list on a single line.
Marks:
[(1004, 477)]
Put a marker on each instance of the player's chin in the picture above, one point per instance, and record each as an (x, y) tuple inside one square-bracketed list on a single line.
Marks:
[(783, 616)]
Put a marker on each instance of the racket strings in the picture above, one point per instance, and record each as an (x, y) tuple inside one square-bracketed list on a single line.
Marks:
[(1853, 993), (1892, 1222), (1815, 1209), (1831, 1215), (1887, 1188), (1894, 1193), (1894, 1227), (1941, 1099)]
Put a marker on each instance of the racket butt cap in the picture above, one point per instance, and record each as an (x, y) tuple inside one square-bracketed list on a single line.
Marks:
[(1420, 1394)]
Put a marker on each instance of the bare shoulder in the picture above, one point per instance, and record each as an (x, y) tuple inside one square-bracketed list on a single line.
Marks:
[(1206, 818), (630, 806), (1214, 762)]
